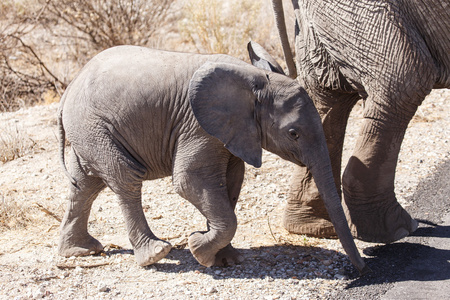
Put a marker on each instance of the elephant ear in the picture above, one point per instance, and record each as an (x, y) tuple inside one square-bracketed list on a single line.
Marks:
[(261, 59), (223, 99)]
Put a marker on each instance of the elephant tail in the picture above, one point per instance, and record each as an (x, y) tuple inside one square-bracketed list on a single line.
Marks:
[(282, 33), (62, 144)]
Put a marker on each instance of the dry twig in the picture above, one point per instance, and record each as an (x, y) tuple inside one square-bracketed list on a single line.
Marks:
[(48, 212), (86, 266)]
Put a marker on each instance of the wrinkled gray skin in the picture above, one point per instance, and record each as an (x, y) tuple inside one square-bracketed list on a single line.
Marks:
[(391, 54), (135, 114)]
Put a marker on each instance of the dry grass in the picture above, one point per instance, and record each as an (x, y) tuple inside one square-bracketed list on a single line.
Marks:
[(14, 143), (13, 214), (214, 26)]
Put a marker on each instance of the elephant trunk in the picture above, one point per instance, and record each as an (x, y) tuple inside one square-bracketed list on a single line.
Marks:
[(324, 180)]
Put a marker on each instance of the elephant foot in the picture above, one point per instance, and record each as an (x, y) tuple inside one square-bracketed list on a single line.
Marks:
[(228, 256), (379, 221), (151, 252), (309, 219), (201, 249), (79, 247)]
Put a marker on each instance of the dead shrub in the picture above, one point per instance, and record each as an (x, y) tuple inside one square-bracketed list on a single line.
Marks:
[(103, 24), (24, 76), (36, 35)]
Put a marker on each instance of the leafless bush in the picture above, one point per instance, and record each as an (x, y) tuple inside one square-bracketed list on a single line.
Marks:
[(24, 76), (110, 23), (23, 73), (38, 34), (44, 43)]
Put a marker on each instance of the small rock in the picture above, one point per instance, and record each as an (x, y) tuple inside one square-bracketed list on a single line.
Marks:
[(327, 262), (152, 268), (102, 287), (64, 275), (39, 293), (340, 277), (212, 290)]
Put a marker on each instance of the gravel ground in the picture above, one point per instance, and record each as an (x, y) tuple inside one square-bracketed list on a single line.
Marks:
[(277, 265)]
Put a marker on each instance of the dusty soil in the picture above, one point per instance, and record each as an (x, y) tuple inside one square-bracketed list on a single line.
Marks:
[(277, 265)]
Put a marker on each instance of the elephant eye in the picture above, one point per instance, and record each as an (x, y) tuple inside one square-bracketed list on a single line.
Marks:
[(293, 134)]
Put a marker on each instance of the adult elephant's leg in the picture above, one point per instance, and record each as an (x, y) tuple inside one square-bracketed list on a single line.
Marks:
[(74, 237), (368, 180), (305, 212)]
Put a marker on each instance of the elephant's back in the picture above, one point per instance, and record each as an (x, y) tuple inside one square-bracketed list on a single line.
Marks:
[(137, 97), (130, 74)]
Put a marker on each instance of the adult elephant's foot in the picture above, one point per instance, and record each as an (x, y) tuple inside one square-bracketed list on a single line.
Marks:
[(305, 212), (380, 219), (228, 256), (304, 220), (70, 245), (151, 251)]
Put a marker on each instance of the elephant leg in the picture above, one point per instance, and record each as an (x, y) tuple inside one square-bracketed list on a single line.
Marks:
[(235, 177), (202, 180), (305, 211), (222, 227), (368, 185), (148, 249), (74, 237), (124, 175)]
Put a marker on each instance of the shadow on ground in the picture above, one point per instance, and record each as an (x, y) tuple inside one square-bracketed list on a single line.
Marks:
[(277, 262), (405, 262), (413, 259)]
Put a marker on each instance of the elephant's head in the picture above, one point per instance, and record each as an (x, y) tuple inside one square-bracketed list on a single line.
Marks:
[(249, 109)]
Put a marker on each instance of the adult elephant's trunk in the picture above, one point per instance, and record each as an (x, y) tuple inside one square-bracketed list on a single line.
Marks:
[(324, 180), (281, 26)]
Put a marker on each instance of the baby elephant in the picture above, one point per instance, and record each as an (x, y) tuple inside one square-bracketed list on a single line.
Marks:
[(135, 114)]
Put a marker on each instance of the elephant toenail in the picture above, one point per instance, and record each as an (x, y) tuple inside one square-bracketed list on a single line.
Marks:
[(158, 249)]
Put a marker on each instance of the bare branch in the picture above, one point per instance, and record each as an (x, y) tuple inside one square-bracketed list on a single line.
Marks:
[(41, 63)]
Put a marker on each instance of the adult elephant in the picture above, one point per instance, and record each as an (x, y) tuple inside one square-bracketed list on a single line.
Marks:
[(391, 54)]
